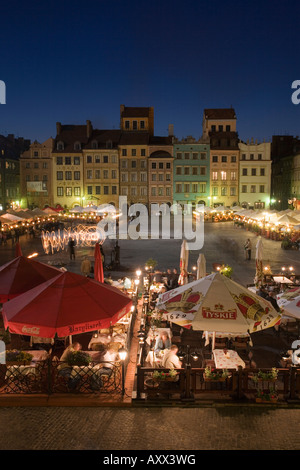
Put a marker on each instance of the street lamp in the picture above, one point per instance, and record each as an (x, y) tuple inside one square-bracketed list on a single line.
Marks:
[(123, 355), (188, 395)]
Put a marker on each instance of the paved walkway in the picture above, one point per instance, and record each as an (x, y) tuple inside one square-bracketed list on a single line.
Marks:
[(213, 428)]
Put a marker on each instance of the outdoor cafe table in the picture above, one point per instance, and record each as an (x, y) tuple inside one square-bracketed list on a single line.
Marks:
[(155, 358), (38, 355), (219, 334), (230, 360)]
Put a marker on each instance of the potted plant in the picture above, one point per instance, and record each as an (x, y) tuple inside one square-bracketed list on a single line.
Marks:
[(79, 358), (212, 375), (160, 376), (16, 357), (266, 397)]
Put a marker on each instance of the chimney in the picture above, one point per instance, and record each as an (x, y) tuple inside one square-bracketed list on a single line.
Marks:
[(89, 129), (58, 128), (171, 130)]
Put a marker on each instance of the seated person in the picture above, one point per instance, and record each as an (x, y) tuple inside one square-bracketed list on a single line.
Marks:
[(162, 342), (106, 368), (170, 359), (65, 369)]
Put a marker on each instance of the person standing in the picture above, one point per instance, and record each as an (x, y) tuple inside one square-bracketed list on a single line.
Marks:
[(248, 248), (72, 248)]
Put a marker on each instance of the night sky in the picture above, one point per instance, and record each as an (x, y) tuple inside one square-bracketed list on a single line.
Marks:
[(70, 61)]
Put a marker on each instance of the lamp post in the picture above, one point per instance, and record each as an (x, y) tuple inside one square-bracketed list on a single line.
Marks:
[(188, 395), (123, 355)]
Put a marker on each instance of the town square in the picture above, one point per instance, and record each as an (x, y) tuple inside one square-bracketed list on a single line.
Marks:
[(149, 229)]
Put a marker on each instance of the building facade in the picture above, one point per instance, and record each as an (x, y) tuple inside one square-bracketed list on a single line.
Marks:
[(255, 175), (36, 175), (191, 171), (160, 170)]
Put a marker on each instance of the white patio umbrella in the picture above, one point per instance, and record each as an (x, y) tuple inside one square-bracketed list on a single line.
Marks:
[(184, 262), (287, 220), (289, 302), (201, 266), (216, 303)]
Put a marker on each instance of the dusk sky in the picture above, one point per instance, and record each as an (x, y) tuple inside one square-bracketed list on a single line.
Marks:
[(76, 60)]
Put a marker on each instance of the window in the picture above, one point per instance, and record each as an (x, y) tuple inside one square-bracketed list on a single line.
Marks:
[(186, 156), (134, 125), (161, 166), (68, 175), (202, 170), (77, 146), (215, 191), (114, 174), (178, 170), (127, 125), (35, 154), (203, 156), (251, 156), (261, 188), (153, 191), (94, 144), (27, 177), (124, 191), (105, 174), (244, 188), (144, 177), (195, 156), (27, 165), (133, 152), (36, 178), (228, 128), (202, 188), (233, 158), (124, 152), (220, 128), (59, 160), (214, 175), (168, 166), (253, 188), (153, 177), (133, 191), (89, 159), (76, 161), (133, 177), (143, 164), (114, 159), (76, 175), (223, 175), (253, 171), (45, 165), (89, 174), (60, 191), (98, 190), (142, 124), (143, 152), (195, 187), (179, 155), (160, 177), (124, 164), (224, 191), (133, 164), (215, 158), (97, 174), (262, 172), (178, 188), (168, 191), (213, 128), (60, 145), (124, 177), (195, 170), (90, 190), (168, 177), (259, 156), (233, 191), (233, 176), (59, 175), (160, 191), (244, 171), (35, 165), (105, 158), (243, 156), (114, 190), (187, 188), (186, 170), (224, 159), (153, 165), (68, 191), (77, 191), (68, 161)]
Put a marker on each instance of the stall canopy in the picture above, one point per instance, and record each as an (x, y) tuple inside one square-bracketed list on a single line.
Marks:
[(21, 274), (216, 303), (66, 305)]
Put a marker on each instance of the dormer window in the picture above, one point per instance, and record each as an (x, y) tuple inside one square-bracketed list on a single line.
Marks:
[(109, 144), (94, 144), (77, 146), (60, 145)]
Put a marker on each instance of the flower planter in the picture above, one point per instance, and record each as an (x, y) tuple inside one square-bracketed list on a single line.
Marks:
[(260, 400), (206, 379), (150, 383)]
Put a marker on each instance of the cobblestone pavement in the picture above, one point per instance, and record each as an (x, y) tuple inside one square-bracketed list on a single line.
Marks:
[(214, 428)]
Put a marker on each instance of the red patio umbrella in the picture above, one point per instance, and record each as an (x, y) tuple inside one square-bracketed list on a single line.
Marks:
[(66, 305), (98, 268), (18, 250), (21, 274)]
